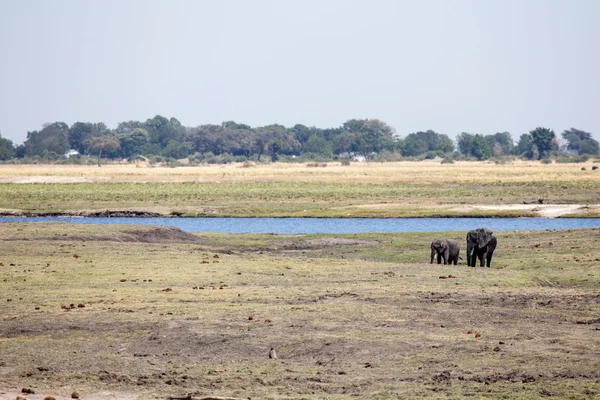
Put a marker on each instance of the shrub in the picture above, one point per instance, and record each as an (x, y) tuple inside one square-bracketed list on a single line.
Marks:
[(316, 164)]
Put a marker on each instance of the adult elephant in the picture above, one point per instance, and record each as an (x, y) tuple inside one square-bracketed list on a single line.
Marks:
[(481, 244), (446, 249)]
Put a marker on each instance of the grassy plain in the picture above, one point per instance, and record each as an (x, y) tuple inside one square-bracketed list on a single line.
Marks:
[(404, 189), (125, 312), (141, 312)]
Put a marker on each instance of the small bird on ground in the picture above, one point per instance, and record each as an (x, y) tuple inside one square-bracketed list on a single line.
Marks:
[(272, 353)]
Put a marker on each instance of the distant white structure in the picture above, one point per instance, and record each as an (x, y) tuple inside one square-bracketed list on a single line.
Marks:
[(71, 152), (353, 156)]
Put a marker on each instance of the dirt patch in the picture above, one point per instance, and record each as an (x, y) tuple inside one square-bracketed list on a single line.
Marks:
[(543, 210), (161, 234), (327, 242), (44, 179)]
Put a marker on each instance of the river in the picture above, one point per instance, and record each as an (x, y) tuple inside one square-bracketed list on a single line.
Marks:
[(332, 225)]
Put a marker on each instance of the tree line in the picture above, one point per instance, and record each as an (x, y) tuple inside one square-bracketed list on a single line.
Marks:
[(167, 139)]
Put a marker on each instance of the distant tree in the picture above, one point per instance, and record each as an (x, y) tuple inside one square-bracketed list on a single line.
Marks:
[(133, 142), (330, 133), (301, 133), (580, 141), (233, 126), (419, 143), (476, 145), (276, 140), (7, 149), (373, 135), (220, 139), (52, 138), (525, 145), (482, 149), (81, 131), (99, 144), (465, 143), (345, 142), (274, 148), (175, 149), (502, 144), (318, 145), (163, 130), (545, 141), (128, 126), (205, 138)]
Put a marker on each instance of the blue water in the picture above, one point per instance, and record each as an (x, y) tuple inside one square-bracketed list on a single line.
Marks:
[(333, 225)]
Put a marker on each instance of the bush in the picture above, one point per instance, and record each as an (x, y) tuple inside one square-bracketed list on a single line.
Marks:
[(316, 164), (573, 159), (388, 156), (345, 161), (546, 161)]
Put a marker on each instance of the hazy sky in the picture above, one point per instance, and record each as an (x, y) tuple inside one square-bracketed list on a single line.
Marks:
[(477, 66)]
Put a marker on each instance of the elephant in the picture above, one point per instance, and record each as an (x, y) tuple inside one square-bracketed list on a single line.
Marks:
[(481, 244), (446, 249)]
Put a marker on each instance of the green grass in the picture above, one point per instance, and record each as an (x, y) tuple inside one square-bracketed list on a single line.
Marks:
[(273, 198)]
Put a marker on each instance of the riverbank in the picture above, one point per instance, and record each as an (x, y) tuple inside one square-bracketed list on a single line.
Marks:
[(457, 211)]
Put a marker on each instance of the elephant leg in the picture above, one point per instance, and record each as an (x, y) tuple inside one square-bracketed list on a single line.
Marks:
[(489, 260), (439, 258), (432, 255)]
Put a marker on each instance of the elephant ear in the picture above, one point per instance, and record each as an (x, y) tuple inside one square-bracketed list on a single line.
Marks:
[(483, 237), (472, 236)]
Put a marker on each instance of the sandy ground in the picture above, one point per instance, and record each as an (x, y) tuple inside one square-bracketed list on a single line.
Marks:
[(543, 210)]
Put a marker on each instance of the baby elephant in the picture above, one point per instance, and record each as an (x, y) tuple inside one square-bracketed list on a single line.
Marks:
[(446, 249)]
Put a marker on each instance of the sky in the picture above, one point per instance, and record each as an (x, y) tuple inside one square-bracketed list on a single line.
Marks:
[(476, 66)]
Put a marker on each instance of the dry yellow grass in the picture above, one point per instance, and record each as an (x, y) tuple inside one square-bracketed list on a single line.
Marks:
[(401, 172)]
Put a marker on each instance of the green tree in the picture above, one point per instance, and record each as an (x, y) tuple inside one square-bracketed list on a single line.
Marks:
[(275, 139), (81, 131), (318, 145), (301, 133), (465, 143), (133, 142), (175, 149), (163, 130), (545, 141), (502, 144), (234, 126), (128, 126), (482, 150), (100, 144), (419, 143), (373, 135), (477, 145), (524, 145), (52, 138), (345, 142), (7, 149), (580, 141)]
